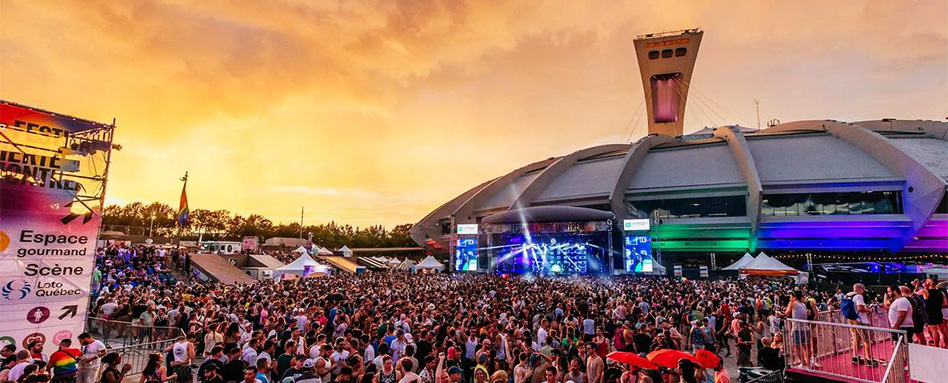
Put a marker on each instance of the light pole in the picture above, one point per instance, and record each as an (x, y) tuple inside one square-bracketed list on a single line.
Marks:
[(151, 226)]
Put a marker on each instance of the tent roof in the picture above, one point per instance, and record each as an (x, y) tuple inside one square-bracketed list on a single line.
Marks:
[(324, 251), (765, 262), (344, 248), (747, 258), (300, 249), (299, 264), (429, 263)]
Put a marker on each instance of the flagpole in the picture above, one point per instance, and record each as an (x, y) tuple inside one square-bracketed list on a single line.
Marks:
[(302, 209), (180, 226)]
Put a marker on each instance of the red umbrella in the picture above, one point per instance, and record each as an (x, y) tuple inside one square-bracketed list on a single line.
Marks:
[(669, 358), (707, 359), (631, 359)]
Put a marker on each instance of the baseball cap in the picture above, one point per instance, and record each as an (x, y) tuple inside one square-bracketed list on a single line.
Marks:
[(309, 363), (454, 370)]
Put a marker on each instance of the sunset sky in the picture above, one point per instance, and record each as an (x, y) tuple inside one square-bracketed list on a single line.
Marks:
[(378, 112)]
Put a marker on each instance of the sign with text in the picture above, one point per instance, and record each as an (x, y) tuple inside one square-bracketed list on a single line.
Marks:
[(51, 167), (467, 229), (636, 225)]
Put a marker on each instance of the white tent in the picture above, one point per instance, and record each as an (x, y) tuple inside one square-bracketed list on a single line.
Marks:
[(345, 251), (303, 267), (301, 249), (324, 251), (429, 263), (747, 258), (765, 265), (405, 265)]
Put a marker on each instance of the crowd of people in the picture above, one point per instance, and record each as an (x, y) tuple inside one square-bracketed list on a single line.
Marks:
[(435, 328)]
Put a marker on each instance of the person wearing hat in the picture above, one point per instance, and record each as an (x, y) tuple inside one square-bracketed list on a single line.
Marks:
[(211, 374), (308, 374), (454, 374)]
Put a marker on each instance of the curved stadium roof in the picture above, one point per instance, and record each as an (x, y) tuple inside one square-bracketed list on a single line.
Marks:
[(805, 158)]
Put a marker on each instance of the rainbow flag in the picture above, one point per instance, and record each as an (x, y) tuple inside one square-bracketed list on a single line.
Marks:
[(184, 215)]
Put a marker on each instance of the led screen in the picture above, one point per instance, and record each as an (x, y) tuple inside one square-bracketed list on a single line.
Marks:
[(638, 254), (465, 254), (550, 254), (665, 95)]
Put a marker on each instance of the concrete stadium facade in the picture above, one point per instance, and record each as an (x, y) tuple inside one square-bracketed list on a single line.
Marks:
[(801, 186)]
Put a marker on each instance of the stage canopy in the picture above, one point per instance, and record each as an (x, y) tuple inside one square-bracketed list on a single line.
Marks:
[(429, 263), (303, 267), (747, 258), (765, 265), (549, 214)]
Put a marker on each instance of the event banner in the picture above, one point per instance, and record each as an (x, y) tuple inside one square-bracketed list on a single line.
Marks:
[(52, 176)]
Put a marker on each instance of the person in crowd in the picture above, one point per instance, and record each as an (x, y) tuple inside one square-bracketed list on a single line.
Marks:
[(859, 336), (92, 350), (155, 370), (64, 362), (900, 313), (113, 373), (936, 301)]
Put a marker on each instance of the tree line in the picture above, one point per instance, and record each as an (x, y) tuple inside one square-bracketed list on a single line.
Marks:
[(226, 226)]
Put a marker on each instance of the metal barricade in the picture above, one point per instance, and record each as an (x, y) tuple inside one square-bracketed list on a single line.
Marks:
[(771, 377), (826, 349), (877, 317), (128, 333), (136, 355)]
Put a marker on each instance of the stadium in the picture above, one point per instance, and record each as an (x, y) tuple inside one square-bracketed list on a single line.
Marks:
[(820, 186)]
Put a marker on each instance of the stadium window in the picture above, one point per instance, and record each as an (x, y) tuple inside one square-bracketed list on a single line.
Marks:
[(843, 203), (681, 52), (666, 53), (652, 55), (727, 206), (943, 206)]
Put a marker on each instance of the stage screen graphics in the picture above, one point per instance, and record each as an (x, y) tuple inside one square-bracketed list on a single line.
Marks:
[(551, 253), (638, 253), (465, 254)]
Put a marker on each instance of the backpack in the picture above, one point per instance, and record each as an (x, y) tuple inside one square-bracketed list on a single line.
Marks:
[(848, 307), (918, 311)]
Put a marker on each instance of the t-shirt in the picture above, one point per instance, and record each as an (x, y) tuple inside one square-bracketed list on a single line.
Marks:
[(589, 327), (17, 371), (898, 305), (859, 301), (63, 362), (92, 350)]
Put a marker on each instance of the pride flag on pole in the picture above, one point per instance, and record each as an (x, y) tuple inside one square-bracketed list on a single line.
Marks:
[(184, 215)]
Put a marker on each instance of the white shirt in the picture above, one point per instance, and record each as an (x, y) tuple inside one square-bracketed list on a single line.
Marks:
[(17, 371), (541, 337), (899, 305), (249, 356), (859, 301), (92, 350)]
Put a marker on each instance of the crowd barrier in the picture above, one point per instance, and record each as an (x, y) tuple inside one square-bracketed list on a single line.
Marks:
[(822, 348), (136, 355), (129, 333), (877, 317)]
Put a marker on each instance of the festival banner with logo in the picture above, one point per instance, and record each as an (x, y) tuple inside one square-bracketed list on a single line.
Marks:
[(52, 179)]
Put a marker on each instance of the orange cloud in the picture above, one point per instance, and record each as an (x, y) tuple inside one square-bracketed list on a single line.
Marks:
[(400, 105)]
